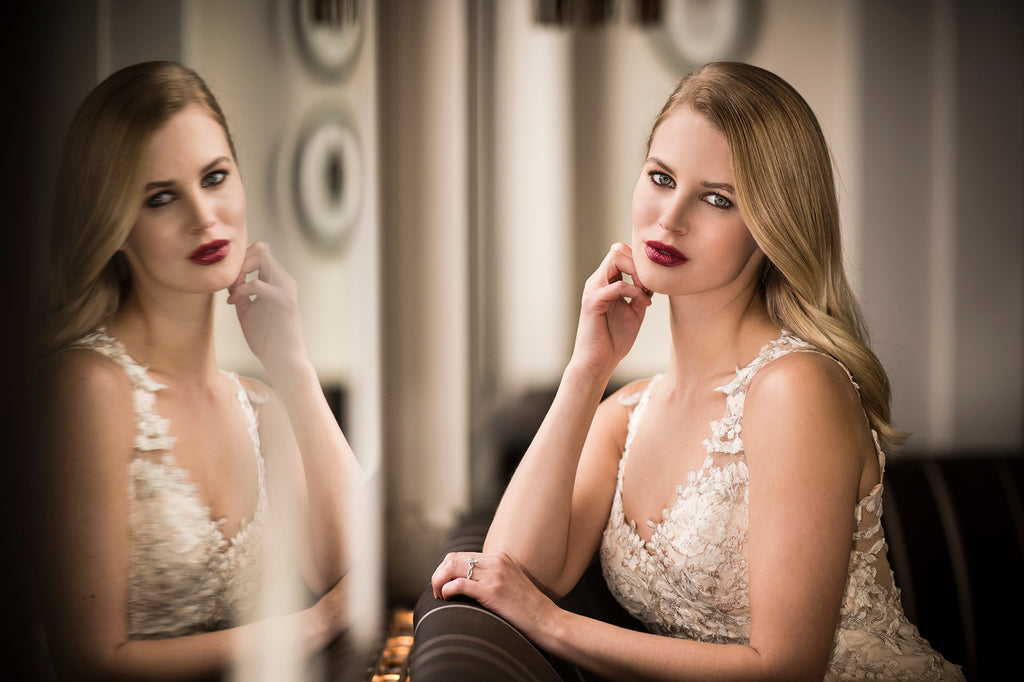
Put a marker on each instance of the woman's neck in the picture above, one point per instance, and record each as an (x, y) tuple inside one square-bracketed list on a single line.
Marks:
[(712, 337), (170, 340)]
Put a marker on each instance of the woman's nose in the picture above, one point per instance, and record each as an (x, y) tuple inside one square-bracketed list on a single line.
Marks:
[(203, 214), (675, 217)]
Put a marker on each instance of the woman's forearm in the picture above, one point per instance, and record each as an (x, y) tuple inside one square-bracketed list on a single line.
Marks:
[(633, 656), (205, 655), (532, 522), (330, 469)]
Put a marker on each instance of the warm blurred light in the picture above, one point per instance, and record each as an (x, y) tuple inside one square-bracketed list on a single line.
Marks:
[(393, 662)]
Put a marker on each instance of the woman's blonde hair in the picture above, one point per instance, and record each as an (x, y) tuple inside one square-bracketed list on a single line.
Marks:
[(99, 190), (787, 196)]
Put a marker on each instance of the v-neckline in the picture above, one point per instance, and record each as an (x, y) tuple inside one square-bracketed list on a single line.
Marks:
[(707, 463), (168, 460)]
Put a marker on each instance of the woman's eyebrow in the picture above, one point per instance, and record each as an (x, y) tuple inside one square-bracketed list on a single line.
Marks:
[(216, 162), (661, 164), (156, 184), (718, 185), (710, 184)]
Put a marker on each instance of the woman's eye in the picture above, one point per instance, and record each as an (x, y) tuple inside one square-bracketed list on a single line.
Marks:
[(660, 179), (159, 199), (214, 178), (718, 201)]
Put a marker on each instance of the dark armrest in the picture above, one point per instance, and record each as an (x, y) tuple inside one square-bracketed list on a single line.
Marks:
[(459, 640)]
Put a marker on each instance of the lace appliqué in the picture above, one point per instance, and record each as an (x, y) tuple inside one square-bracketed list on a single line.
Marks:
[(689, 579), (185, 577)]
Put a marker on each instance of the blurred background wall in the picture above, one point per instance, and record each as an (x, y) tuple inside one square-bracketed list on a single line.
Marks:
[(498, 156)]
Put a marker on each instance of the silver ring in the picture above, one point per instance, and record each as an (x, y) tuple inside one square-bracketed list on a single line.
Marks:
[(473, 561)]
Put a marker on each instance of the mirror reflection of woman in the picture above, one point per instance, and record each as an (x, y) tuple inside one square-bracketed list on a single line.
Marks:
[(735, 500), (163, 474)]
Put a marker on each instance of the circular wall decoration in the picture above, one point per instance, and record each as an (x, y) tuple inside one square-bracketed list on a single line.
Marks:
[(330, 33), (697, 31), (328, 180)]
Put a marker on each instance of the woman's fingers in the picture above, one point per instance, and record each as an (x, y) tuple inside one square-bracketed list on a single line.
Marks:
[(444, 572), (497, 583), (259, 263), (464, 586), (618, 290), (251, 262), (260, 275), (265, 297), (461, 572), (618, 262)]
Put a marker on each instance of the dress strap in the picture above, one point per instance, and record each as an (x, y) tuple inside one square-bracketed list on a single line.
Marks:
[(248, 400), (638, 402), (151, 430), (725, 432)]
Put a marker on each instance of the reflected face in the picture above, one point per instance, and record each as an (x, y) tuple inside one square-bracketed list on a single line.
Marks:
[(688, 234), (190, 234)]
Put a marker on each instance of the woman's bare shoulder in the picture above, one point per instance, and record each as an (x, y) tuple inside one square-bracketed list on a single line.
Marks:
[(257, 389), (630, 392), (613, 413), (803, 379), (86, 373), (85, 405), (807, 403)]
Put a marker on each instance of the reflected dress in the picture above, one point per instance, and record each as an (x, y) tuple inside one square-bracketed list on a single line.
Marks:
[(185, 577), (689, 580)]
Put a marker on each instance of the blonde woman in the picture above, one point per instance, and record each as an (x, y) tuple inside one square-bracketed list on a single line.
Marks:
[(734, 500), (161, 471)]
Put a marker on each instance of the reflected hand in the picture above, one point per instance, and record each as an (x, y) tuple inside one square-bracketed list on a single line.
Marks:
[(268, 309), (609, 323)]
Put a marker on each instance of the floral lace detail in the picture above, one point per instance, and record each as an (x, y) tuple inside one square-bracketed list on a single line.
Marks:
[(185, 577), (689, 579)]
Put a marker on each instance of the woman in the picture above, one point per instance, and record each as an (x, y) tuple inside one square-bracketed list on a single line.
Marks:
[(163, 473), (735, 500)]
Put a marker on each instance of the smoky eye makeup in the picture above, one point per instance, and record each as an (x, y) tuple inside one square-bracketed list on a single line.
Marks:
[(158, 199), (214, 178), (717, 200), (660, 178)]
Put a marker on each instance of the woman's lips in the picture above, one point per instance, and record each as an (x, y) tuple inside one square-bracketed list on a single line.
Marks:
[(664, 254), (211, 252)]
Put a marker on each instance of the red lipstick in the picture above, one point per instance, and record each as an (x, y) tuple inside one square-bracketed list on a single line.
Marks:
[(211, 252), (664, 254)]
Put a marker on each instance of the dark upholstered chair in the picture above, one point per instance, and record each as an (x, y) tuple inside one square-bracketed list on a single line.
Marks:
[(955, 527)]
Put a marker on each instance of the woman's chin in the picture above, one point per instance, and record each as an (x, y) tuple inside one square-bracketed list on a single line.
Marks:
[(653, 278)]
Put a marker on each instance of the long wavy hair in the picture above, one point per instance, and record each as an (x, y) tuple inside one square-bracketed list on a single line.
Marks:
[(787, 196), (99, 190)]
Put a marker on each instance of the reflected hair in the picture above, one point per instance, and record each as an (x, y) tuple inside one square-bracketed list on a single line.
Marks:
[(100, 186), (787, 196)]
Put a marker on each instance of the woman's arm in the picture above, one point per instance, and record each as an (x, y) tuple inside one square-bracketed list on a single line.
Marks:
[(807, 447), (300, 427), (87, 422), (551, 515)]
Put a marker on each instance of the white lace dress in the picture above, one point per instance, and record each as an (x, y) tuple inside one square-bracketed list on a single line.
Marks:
[(185, 577), (690, 579)]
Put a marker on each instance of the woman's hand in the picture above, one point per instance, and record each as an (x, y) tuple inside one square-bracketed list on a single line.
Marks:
[(612, 311), (499, 584), (268, 309)]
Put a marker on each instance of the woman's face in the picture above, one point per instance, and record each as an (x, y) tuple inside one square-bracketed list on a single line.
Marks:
[(190, 234), (688, 234)]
